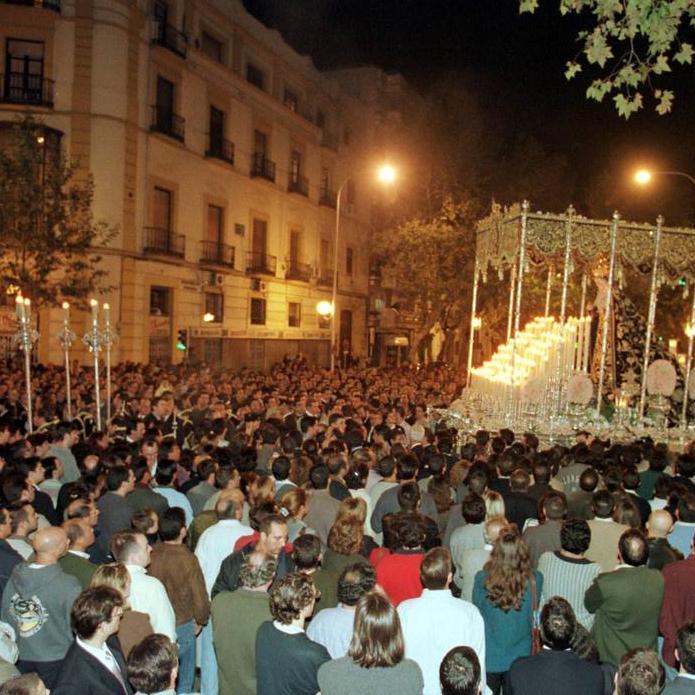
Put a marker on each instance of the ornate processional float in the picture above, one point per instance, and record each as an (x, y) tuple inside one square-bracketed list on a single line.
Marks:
[(601, 369)]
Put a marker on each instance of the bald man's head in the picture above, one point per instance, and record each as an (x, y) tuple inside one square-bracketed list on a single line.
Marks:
[(659, 524), (50, 544)]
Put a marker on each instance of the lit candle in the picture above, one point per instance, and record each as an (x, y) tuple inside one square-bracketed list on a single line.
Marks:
[(107, 310), (27, 309), (66, 313), (19, 305), (95, 311)]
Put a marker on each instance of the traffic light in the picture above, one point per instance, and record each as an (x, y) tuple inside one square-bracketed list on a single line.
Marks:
[(682, 282), (182, 339)]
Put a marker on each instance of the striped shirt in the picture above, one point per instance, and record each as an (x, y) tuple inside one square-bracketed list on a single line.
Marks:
[(569, 578)]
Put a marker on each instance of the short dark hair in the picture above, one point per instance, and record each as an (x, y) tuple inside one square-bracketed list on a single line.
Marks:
[(93, 607), (603, 504), (116, 476), (459, 672), (685, 644), (319, 476), (406, 467), (290, 596), (26, 684), (267, 521), (256, 571), (386, 466), (558, 624), (171, 523), (151, 663), (435, 568), (473, 509), (519, 480), (554, 505), (408, 496), (588, 480), (355, 581), (281, 468), (575, 536), (306, 551), (640, 673), (634, 548), (686, 508), (410, 529)]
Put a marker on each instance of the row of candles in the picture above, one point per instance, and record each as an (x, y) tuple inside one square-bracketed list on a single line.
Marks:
[(23, 307), (545, 352)]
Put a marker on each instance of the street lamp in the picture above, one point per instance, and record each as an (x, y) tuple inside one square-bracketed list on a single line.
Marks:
[(386, 174), (208, 317), (643, 177)]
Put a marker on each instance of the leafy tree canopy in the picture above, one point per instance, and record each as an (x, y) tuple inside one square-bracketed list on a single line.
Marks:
[(634, 43), (49, 234)]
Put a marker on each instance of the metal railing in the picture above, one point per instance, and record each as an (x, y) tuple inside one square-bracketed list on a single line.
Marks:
[(219, 148), (168, 123), (298, 184), (261, 263), (45, 4), (25, 88), (163, 241), (299, 271), (327, 198), (169, 37), (216, 253), (326, 277), (262, 167)]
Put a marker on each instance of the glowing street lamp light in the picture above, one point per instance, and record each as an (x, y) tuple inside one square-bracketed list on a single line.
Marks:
[(386, 174), (324, 308), (208, 317), (643, 176)]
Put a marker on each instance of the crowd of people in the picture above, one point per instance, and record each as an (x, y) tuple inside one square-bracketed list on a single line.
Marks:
[(303, 531)]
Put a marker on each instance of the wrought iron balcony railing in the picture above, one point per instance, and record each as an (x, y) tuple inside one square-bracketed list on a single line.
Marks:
[(261, 167), (299, 271), (168, 123), (219, 148), (215, 253), (261, 263), (25, 88), (298, 184), (163, 241), (326, 277)]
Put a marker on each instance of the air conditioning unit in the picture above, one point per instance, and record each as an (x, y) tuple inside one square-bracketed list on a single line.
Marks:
[(262, 286), (215, 279), (258, 285)]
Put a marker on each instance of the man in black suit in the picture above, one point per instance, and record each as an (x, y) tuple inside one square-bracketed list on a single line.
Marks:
[(94, 664), (518, 504), (556, 667), (685, 653)]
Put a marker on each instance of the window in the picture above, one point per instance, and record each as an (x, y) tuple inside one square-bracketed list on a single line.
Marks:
[(216, 129), (215, 227), (160, 303), (290, 100), (295, 166), (24, 71), (255, 75), (161, 208), (294, 315), (349, 260), (211, 47), (214, 304), (260, 142), (324, 322), (257, 311), (295, 244)]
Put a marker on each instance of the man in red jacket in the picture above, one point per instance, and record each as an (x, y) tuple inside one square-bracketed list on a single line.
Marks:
[(679, 602)]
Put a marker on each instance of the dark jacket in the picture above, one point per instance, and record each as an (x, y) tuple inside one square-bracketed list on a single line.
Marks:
[(114, 516), (228, 577), (552, 671), (661, 553), (82, 673), (144, 497), (9, 559)]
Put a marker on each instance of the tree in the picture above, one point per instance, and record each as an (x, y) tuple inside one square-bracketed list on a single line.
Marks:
[(47, 246), (633, 42)]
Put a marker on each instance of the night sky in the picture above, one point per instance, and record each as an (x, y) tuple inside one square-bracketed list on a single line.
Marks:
[(513, 65)]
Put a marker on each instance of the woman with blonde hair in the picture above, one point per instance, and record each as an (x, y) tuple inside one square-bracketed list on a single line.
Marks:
[(135, 626), (375, 661), (503, 592), (494, 504), (294, 505)]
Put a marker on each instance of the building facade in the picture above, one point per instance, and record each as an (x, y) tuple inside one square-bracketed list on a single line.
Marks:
[(217, 152)]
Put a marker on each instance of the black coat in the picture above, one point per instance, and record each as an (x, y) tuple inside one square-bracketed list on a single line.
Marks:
[(82, 673), (553, 672)]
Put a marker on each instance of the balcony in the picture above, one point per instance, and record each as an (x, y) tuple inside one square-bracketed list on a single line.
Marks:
[(299, 271), (261, 263), (262, 168), (163, 242), (298, 184), (219, 148), (45, 4), (215, 253), (168, 37), (327, 198), (25, 88), (168, 123), (326, 277)]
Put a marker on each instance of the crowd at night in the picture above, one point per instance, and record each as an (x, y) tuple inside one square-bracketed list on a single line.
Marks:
[(318, 531)]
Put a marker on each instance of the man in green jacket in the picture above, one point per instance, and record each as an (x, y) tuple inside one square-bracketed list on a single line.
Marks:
[(236, 617), (76, 561), (627, 601)]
